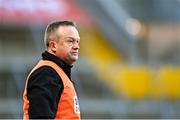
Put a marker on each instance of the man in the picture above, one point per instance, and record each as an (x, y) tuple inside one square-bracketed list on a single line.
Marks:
[(49, 92)]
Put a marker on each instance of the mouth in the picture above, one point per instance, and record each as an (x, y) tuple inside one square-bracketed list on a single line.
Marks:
[(75, 53)]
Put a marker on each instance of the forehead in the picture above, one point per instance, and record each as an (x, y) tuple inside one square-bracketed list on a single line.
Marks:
[(68, 31)]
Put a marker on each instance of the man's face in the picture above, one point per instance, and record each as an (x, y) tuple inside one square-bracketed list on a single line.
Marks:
[(67, 47)]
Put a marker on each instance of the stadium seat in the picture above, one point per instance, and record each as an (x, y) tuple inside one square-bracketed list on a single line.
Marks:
[(135, 82), (169, 82)]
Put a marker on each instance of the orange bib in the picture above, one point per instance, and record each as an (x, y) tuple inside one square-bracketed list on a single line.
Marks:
[(68, 106)]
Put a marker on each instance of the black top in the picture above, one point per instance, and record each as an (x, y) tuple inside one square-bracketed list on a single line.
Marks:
[(45, 87)]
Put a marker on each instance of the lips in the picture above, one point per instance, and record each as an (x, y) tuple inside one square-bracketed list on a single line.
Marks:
[(75, 53)]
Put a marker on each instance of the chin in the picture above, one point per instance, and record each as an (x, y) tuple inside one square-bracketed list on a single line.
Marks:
[(74, 58)]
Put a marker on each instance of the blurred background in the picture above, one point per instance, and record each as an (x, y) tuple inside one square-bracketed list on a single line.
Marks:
[(129, 64)]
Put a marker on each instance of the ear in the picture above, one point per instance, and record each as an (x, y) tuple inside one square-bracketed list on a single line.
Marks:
[(53, 46)]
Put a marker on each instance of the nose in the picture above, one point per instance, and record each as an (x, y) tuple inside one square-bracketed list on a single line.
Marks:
[(76, 46)]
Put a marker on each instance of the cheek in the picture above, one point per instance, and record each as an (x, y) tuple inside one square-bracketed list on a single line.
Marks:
[(62, 51)]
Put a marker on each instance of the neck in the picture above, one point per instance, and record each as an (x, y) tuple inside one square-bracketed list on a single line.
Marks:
[(50, 51)]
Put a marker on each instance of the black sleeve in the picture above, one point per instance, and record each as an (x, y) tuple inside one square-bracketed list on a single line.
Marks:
[(44, 89)]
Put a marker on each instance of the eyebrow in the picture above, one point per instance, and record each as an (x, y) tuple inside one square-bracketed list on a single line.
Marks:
[(73, 38)]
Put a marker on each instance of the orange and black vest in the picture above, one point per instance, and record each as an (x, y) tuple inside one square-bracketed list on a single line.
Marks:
[(68, 106)]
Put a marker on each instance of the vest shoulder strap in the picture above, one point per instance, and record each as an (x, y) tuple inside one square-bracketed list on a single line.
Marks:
[(59, 70)]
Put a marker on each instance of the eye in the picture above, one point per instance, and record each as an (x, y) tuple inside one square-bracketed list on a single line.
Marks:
[(78, 41), (72, 41), (69, 40)]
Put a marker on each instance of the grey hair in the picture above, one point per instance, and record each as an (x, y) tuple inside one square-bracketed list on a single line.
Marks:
[(50, 32)]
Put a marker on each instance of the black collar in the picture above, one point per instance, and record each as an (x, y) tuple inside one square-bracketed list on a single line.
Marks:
[(66, 67)]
